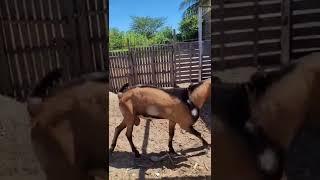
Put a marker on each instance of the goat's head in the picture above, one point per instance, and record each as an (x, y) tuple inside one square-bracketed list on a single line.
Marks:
[(200, 92)]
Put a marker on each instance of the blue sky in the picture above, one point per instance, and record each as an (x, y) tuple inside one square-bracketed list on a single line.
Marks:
[(121, 10)]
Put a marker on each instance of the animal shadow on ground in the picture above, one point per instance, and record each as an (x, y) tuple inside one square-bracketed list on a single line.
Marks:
[(120, 159), (127, 160), (185, 178)]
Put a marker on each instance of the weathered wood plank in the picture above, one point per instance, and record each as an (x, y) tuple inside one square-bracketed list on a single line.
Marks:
[(286, 31), (246, 49), (245, 36), (247, 10)]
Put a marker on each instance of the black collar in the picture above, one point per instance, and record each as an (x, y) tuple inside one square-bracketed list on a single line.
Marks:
[(193, 109)]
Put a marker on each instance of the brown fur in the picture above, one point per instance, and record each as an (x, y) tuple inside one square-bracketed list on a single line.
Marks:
[(200, 94), (135, 102), (232, 157), (74, 122), (281, 111)]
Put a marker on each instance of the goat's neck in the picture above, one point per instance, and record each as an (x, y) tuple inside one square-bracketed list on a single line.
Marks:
[(200, 95)]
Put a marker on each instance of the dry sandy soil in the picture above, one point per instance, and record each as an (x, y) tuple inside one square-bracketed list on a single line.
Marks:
[(17, 160), (151, 140)]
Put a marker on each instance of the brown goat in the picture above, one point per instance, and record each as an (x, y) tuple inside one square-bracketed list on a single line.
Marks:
[(157, 103), (69, 130)]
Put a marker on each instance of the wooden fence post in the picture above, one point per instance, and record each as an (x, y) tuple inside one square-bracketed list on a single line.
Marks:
[(131, 64), (82, 25), (172, 69), (153, 66), (221, 4), (5, 79), (200, 42), (286, 13), (174, 50), (256, 34)]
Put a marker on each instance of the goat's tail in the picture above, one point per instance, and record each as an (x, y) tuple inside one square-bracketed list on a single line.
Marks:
[(122, 89)]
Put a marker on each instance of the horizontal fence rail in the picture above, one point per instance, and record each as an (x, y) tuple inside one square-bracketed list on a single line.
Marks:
[(160, 65)]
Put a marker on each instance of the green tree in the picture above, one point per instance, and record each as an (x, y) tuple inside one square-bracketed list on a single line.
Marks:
[(163, 36), (147, 26), (136, 39), (116, 38), (188, 28)]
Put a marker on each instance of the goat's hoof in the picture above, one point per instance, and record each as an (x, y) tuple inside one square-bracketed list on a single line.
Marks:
[(172, 152), (137, 155), (206, 144), (110, 151)]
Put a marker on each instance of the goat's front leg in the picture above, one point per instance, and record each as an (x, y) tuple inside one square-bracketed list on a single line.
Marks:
[(129, 137), (171, 134), (198, 135)]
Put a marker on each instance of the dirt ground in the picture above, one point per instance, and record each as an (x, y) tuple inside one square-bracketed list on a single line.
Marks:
[(17, 160), (151, 140)]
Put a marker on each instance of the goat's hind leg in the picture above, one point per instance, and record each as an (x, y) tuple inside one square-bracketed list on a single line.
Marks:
[(117, 131), (171, 134), (129, 137)]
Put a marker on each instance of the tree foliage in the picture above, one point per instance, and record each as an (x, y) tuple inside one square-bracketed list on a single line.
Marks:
[(116, 38), (147, 26), (157, 33), (188, 28)]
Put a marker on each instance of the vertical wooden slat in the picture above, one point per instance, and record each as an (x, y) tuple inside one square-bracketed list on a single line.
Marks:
[(83, 42), (143, 80), (153, 67), (130, 61), (47, 37), (53, 33), (104, 22), (36, 34), (5, 77), (12, 39), (98, 6), (179, 60), (21, 43), (60, 35), (222, 35), (256, 33), (190, 61), (111, 84), (92, 28), (31, 60), (41, 35), (65, 35), (286, 31), (172, 69)]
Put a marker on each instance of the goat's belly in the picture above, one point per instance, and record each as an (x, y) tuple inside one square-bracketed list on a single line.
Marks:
[(155, 111)]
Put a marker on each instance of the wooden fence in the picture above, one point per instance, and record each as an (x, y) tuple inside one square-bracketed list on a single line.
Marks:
[(263, 32), (161, 65), (39, 35)]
